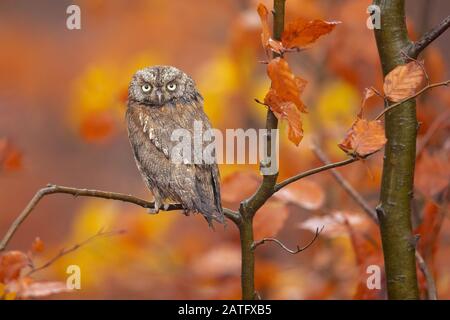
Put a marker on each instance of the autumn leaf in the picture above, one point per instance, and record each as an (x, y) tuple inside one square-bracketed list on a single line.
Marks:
[(284, 98), (301, 33), (37, 245), (266, 40), (10, 156), (306, 194), (264, 16), (96, 127), (364, 138), (403, 81), (287, 87), (11, 264), (270, 219)]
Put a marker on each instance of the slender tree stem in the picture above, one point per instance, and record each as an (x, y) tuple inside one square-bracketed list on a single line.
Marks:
[(394, 210), (250, 206), (429, 37)]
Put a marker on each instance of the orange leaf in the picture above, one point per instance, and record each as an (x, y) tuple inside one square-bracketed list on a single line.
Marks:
[(365, 137), (286, 86), (264, 16), (10, 157), (403, 81), (11, 264), (306, 193), (301, 33), (287, 111), (38, 245), (97, 127), (270, 219)]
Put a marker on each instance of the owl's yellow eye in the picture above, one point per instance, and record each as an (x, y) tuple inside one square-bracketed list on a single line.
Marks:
[(146, 87), (171, 86)]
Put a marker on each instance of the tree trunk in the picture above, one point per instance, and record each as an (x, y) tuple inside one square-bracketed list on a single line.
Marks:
[(394, 210)]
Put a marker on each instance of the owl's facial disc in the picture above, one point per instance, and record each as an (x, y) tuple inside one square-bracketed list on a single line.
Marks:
[(160, 85)]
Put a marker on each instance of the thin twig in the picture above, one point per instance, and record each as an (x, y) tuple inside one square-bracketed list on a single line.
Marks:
[(431, 285), (297, 250), (75, 247), (346, 185), (418, 93), (52, 189), (314, 171), (372, 214), (429, 37)]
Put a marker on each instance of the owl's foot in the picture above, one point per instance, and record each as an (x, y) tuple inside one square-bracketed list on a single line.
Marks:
[(154, 210)]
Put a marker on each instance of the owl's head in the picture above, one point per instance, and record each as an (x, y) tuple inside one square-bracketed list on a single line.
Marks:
[(160, 85)]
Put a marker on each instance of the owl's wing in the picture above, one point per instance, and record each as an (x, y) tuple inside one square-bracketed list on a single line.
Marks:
[(197, 185)]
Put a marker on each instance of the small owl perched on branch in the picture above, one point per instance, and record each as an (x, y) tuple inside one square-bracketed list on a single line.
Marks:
[(162, 99)]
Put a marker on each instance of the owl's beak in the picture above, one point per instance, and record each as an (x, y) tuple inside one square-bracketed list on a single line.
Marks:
[(159, 95)]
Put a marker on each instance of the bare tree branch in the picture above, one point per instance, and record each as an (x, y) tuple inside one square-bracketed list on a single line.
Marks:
[(52, 189), (418, 46), (431, 285), (418, 93), (297, 250), (75, 247), (346, 185), (314, 171)]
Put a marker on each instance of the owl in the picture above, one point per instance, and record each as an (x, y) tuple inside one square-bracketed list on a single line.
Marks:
[(162, 99)]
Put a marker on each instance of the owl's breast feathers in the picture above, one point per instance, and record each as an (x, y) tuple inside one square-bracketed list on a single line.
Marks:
[(195, 186)]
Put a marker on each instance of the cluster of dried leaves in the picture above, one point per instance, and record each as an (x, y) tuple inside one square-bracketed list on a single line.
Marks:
[(284, 96), (15, 279), (367, 136)]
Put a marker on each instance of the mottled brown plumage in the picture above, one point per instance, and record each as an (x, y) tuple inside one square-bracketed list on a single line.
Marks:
[(160, 100)]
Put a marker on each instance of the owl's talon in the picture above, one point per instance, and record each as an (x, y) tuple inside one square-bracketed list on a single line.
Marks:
[(154, 210), (166, 206)]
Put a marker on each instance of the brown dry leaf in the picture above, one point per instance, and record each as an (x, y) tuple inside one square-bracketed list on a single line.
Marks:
[(305, 193), (285, 84), (295, 129), (403, 81), (270, 219), (266, 40), (432, 174), (301, 33), (364, 138), (10, 157), (284, 98), (37, 245), (239, 185), (264, 16), (11, 264)]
